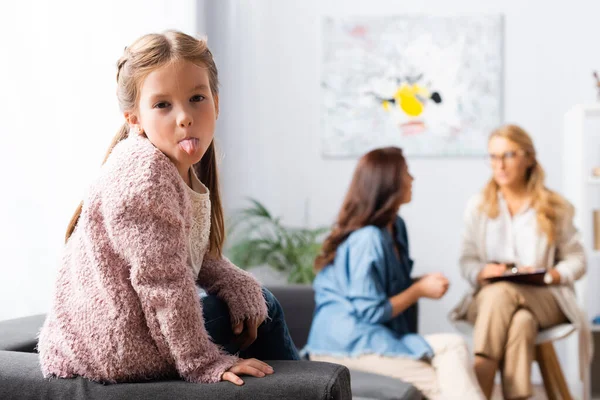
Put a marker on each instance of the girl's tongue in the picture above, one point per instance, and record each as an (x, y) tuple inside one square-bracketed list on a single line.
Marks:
[(190, 146)]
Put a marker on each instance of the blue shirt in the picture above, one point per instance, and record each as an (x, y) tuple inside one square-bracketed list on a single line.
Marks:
[(353, 315)]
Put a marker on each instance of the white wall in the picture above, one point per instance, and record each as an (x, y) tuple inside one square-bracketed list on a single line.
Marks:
[(270, 131), (58, 114)]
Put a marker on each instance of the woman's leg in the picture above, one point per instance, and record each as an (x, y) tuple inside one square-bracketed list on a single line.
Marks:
[(493, 311), (520, 347), (418, 373), (539, 310), (273, 341), (485, 371), (449, 376), (453, 366)]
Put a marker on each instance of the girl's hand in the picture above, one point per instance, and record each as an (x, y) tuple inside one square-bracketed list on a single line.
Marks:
[(246, 332), (433, 286), (250, 366), (491, 270)]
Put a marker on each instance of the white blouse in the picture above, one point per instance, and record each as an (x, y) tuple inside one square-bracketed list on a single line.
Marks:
[(512, 238)]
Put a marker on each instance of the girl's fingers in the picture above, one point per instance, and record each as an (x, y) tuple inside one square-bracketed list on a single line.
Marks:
[(263, 366), (233, 378), (247, 369)]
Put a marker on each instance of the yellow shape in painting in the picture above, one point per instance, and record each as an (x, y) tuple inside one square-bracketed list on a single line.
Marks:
[(417, 89), (386, 105), (411, 106), (406, 97)]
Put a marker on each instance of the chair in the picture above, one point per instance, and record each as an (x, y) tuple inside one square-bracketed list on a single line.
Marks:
[(552, 375)]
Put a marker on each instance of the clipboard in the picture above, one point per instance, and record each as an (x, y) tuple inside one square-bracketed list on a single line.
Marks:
[(530, 278)]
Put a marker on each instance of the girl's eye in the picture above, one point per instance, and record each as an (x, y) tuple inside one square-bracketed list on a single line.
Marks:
[(197, 98), (162, 104)]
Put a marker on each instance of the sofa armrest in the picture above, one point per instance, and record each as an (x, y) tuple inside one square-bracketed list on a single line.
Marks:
[(20, 334)]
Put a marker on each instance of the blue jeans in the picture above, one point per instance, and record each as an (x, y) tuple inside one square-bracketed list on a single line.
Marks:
[(273, 341)]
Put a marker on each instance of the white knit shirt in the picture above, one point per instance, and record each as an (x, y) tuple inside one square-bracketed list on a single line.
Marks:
[(200, 230)]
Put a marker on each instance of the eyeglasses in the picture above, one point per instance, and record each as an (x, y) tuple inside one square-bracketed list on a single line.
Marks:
[(508, 157)]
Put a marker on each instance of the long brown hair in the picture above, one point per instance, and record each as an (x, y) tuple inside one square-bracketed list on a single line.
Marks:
[(549, 206), (373, 198), (145, 55)]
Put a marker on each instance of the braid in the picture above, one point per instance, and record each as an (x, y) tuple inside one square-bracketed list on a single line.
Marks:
[(122, 61)]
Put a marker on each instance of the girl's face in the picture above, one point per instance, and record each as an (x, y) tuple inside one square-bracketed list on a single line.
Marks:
[(508, 161), (177, 112)]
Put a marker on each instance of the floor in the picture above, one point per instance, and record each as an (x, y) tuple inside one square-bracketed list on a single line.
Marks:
[(538, 393)]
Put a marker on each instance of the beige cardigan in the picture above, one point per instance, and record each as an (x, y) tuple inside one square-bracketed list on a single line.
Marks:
[(567, 255)]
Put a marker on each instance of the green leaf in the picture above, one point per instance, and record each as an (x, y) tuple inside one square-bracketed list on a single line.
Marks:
[(259, 238)]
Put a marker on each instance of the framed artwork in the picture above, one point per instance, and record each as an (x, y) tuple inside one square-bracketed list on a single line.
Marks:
[(431, 85)]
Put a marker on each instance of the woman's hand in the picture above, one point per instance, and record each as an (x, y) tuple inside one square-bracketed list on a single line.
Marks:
[(250, 366), (556, 280), (433, 286), (246, 332), (526, 269), (491, 270)]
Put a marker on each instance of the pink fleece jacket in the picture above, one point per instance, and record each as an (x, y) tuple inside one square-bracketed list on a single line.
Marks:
[(125, 305)]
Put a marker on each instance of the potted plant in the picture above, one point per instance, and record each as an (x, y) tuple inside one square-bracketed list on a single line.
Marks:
[(258, 238)]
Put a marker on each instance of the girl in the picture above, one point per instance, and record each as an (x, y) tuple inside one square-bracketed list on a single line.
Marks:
[(364, 317), (516, 219), (126, 306)]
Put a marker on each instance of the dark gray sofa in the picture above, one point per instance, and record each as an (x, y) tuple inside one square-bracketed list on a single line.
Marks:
[(21, 378), (298, 302)]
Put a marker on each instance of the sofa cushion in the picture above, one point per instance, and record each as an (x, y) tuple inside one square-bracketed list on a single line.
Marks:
[(373, 386), (21, 378)]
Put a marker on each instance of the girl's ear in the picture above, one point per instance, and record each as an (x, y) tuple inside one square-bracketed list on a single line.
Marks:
[(134, 123)]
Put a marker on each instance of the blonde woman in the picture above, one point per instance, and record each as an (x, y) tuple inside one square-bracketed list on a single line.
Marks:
[(516, 219)]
